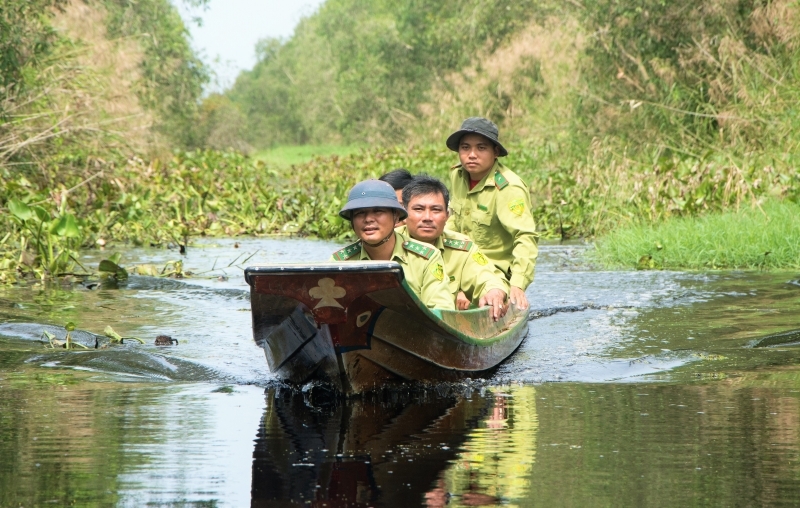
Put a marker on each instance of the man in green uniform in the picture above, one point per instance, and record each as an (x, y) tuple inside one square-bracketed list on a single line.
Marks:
[(398, 179), (372, 209), (472, 276), (492, 205)]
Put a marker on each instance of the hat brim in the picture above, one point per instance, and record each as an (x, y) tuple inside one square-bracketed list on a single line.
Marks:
[(455, 138), (347, 211)]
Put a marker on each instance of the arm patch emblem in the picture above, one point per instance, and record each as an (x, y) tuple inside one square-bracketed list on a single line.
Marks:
[(438, 272), (480, 258), (517, 207)]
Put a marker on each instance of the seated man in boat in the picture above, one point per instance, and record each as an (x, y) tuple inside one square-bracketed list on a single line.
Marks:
[(472, 277), (372, 209), (492, 205), (397, 178)]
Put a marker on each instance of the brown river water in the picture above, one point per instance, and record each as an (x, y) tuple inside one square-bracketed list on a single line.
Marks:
[(631, 389)]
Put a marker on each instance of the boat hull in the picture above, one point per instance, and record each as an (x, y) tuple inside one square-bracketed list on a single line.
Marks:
[(358, 326)]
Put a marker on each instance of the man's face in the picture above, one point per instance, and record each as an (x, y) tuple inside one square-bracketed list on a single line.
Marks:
[(427, 216), (477, 154), (372, 225)]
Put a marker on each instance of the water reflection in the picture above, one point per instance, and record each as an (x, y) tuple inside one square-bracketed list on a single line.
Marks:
[(494, 463), (386, 450), (396, 449), (66, 439)]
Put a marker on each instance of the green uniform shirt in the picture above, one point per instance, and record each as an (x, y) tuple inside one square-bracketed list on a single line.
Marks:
[(496, 214), (468, 269), (423, 268)]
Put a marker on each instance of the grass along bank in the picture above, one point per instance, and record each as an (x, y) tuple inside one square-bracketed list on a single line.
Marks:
[(212, 193), (761, 237)]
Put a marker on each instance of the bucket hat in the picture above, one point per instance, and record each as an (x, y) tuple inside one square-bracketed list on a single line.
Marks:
[(476, 125), (370, 194)]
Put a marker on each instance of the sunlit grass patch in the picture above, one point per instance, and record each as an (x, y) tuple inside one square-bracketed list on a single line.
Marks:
[(288, 155), (752, 238)]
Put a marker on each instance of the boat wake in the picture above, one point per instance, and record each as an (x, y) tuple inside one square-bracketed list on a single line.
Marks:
[(540, 313)]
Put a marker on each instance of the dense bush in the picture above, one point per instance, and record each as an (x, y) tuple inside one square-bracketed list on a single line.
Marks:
[(357, 71), (172, 75), (693, 76), (114, 77)]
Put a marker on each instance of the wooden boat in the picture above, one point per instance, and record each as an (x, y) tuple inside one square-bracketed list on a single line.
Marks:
[(358, 326)]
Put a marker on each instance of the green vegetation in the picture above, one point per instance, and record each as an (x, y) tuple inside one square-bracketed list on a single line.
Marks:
[(357, 71), (619, 115), (284, 156), (83, 85), (213, 193), (767, 237), (647, 78)]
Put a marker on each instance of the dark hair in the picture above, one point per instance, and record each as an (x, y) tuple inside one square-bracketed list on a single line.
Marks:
[(422, 185), (397, 178)]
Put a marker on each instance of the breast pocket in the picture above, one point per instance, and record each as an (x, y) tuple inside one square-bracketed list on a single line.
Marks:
[(455, 222), (481, 227)]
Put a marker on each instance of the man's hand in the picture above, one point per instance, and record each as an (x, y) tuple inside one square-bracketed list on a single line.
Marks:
[(496, 300), (461, 301), (518, 298)]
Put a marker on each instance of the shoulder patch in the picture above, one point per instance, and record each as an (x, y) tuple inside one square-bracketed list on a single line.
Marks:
[(500, 180), (348, 252), (517, 207), (452, 243), (480, 258), (418, 248), (438, 272)]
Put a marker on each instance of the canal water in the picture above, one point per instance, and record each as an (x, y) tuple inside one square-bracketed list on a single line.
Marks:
[(631, 389)]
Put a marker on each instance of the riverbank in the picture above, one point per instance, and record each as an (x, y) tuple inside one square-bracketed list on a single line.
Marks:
[(765, 237), (226, 194)]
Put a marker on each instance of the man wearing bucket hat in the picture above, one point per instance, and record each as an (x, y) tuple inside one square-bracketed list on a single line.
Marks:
[(372, 209), (492, 205)]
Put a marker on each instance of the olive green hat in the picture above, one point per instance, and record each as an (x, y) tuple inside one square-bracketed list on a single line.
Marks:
[(371, 194), (477, 125)]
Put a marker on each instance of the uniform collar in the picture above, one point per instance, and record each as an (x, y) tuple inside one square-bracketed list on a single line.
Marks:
[(398, 253), (486, 181)]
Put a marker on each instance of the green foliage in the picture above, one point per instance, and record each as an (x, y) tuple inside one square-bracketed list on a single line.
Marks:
[(172, 75), (681, 110), (284, 156), (110, 268), (357, 71), (47, 78), (765, 237), (692, 76), (47, 242), (25, 38)]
